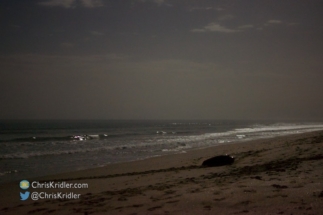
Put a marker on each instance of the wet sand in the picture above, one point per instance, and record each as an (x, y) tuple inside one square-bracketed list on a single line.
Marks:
[(282, 175)]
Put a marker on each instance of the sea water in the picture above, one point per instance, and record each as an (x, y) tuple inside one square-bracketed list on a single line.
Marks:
[(37, 148)]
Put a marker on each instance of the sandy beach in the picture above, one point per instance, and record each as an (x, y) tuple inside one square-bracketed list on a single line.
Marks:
[(282, 175)]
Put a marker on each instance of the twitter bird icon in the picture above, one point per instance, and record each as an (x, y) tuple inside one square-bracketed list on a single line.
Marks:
[(24, 196)]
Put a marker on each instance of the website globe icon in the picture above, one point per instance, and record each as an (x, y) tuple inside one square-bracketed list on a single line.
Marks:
[(24, 184)]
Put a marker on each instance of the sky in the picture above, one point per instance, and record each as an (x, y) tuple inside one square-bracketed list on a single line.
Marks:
[(161, 59)]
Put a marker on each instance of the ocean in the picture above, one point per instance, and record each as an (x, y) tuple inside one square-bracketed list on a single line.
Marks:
[(37, 148)]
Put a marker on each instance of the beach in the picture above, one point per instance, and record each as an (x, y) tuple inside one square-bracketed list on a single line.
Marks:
[(281, 175)]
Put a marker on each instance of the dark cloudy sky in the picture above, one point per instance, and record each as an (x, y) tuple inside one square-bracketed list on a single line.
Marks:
[(161, 59)]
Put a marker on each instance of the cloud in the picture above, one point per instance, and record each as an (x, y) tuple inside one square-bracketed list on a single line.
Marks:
[(215, 27), (71, 3), (245, 26), (159, 2), (201, 8), (274, 21)]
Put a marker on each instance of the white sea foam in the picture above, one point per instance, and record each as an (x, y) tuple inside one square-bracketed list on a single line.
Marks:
[(8, 172), (259, 131)]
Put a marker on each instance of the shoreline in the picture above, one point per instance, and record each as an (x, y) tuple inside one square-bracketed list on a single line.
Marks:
[(31, 162), (185, 150), (265, 172)]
